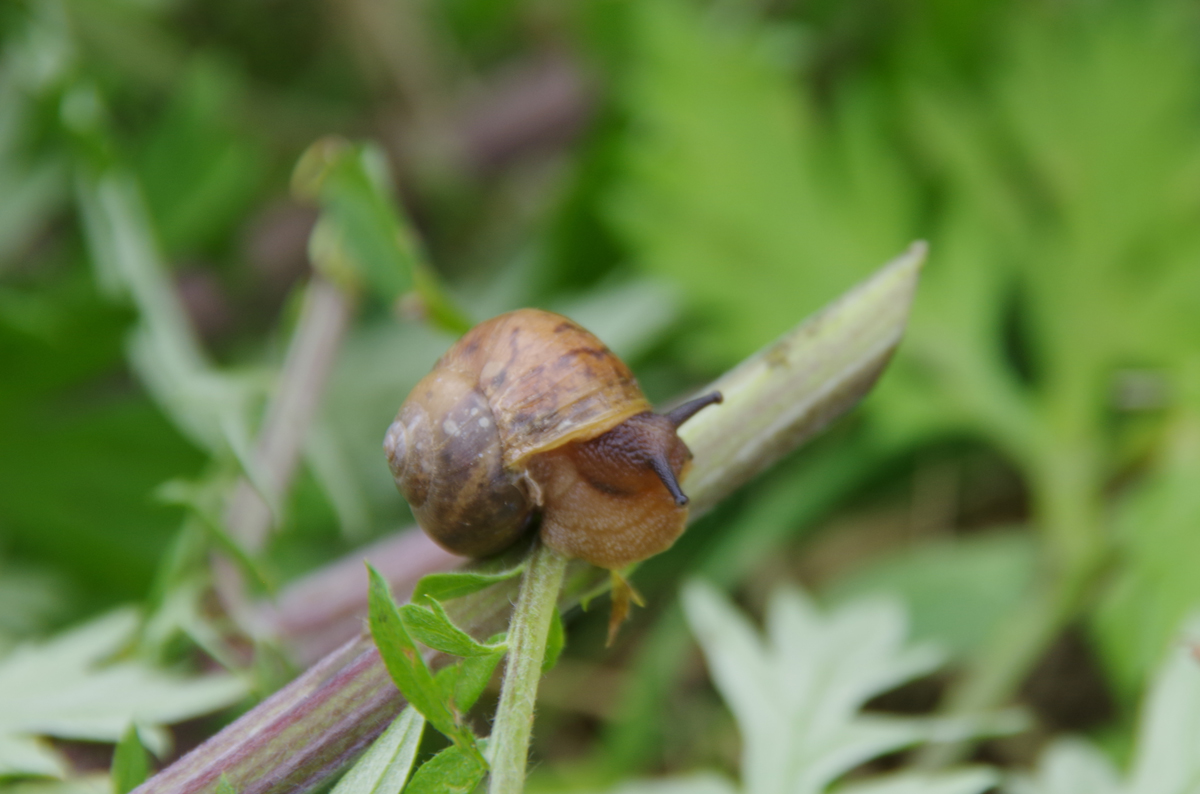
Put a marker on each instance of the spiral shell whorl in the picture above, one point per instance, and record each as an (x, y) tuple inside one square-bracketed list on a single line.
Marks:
[(444, 452)]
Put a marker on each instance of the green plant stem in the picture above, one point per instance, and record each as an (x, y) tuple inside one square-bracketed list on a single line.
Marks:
[(1067, 493), (509, 743)]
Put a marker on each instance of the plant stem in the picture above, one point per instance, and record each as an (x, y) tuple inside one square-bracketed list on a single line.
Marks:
[(324, 318), (1067, 489), (509, 744)]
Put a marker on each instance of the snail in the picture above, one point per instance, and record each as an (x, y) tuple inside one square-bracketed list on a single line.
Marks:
[(529, 414)]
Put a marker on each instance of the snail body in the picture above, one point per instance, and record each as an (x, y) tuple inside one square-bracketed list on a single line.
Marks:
[(529, 414)]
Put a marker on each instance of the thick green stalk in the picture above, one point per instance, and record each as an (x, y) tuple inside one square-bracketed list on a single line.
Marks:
[(527, 632), (1067, 482)]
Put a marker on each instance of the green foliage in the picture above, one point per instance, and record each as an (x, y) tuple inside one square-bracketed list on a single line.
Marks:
[(797, 692), (29, 599), (83, 784), (446, 586), (200, 173), (1056, 193), (555, 642), (406, 665), (77, 686), (1156, 587), (728, 170), (743, 164), (957, 592), (466, 680), (452, 771), (209, 407), (443, 699), (384, 768), (361, 237), (433, 628), (131, 762)]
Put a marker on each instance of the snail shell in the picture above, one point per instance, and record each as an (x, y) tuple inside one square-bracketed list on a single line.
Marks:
[(526, 413)]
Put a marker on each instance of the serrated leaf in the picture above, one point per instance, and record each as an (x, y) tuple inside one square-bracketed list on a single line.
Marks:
[(432, 627), (384, 768), (456, 584), (796, 691), (730, 185), (452, 771), (404, 661), (131, 764), (555, 641), (71, 687)]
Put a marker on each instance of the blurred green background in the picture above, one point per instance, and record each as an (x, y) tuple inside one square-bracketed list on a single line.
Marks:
[(689, 180)]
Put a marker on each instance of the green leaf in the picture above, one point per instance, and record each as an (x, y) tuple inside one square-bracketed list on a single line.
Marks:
[(433, 627), (555, 641), (131, 764), (455, 584), (203, 500), (404, 661), (796, 692), (76, 686), (209, 407), (363, 227), (384, 768), (471, 677), (1155, 584), (452, 771), (956, 591), (200, 174), (225, 787), (731, 186)]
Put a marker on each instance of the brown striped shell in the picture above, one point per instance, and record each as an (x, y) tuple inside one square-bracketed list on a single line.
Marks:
[(548, 381), (513, 388)]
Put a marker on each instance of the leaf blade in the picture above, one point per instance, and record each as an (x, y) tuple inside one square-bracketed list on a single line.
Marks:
[(131, 764), (385, 767), (402, 658)]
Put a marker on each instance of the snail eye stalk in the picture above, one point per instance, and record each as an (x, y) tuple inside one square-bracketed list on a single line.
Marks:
[(663, 469), (690, 408)]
